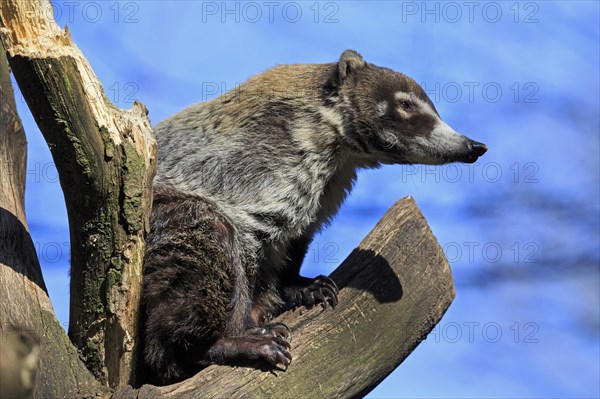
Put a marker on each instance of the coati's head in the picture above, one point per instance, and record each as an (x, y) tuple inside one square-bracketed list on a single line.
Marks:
[(394, 121)]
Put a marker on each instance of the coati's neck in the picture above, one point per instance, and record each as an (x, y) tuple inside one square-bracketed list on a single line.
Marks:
[(287, 97), (301, 82)]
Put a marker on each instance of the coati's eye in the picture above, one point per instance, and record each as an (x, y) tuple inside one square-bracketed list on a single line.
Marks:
[(407, 106)]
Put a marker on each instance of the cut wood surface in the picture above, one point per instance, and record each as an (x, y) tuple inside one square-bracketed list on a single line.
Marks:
[(394, 288)]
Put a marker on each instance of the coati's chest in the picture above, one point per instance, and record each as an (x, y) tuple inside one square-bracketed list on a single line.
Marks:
[(318, 212)]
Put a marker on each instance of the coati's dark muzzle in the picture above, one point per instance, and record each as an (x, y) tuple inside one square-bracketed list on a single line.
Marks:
[(475, 149)]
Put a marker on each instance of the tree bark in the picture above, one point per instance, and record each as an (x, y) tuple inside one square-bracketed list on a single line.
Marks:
[(394, 288), (105, 159), (25, 307)]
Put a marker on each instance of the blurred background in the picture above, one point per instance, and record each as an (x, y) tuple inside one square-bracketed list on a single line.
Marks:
[(520, 227)]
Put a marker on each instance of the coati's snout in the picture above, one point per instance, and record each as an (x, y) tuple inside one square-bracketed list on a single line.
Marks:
[(411, 131), (477, 148), (444, 145), (421, 136), (473, 151)]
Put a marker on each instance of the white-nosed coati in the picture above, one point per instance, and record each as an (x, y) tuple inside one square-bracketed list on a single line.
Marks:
[(244, 182)]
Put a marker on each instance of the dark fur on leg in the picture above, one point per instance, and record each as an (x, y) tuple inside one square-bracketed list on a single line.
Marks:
[(192, 291), (196, 294)]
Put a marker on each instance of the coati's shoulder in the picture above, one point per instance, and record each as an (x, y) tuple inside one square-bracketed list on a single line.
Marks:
[(289, 80)]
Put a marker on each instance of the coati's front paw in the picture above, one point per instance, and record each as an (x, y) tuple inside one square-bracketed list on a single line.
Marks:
[(310, 292), (273, 330)]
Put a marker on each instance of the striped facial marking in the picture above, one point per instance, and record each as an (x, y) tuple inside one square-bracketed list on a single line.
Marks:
[(412, 130)]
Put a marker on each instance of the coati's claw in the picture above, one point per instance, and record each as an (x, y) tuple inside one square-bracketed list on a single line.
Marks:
[(280, 330), (329, 289), (274, 350), (321, 290), (273, 330), (329, 282)]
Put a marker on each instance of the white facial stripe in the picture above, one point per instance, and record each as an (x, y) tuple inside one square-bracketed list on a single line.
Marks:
[(403, 112), (400, 95), (423, 106), (382, 108)]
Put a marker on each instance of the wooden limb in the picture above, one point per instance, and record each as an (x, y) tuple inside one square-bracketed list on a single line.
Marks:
[(26, 315), (395, 287), (105, 159)]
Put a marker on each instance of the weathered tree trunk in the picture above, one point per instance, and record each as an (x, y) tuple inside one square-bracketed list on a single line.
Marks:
[(105, 160), (394, 288), (24, 302)]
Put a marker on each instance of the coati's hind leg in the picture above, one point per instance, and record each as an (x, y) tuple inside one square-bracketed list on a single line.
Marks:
[(196, 292), (297, 290)]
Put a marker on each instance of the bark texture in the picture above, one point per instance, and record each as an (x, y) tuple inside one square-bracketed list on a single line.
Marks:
[(25, 307), (105, 160)]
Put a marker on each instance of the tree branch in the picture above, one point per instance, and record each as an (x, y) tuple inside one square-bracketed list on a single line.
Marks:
[(25, 307), (105, 159), (394, 288)]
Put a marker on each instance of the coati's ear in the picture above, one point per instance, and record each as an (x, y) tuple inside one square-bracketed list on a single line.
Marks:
[(350, 61)]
